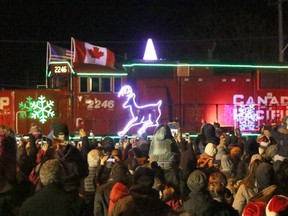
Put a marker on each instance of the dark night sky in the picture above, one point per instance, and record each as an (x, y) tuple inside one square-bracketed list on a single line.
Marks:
[(181, 29)]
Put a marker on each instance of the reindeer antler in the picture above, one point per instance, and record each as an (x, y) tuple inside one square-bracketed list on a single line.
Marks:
[(125, 91)]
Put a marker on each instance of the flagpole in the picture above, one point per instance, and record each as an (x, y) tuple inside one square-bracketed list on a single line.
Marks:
[(72, 57), (72, 51), (47, 63)]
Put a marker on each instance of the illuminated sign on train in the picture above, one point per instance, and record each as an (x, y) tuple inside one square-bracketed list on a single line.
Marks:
[(248, 111), (4, 101)]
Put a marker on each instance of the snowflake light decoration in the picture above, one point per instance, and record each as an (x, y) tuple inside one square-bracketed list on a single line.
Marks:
[(41, 109), (26, 106), (246, 117)]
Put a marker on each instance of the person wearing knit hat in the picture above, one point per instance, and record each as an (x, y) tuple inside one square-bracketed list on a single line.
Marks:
[(210, 150), (206, 160), (227, 166), (197, 181), (254, 209), (93, 159), (108, 145), (200, 201), (277, 206), (74, 160), (264, 142), (164, 147), (221, 151), (60, 131)]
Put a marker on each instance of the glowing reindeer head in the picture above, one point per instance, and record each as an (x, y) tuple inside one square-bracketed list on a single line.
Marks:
[(125, 91)]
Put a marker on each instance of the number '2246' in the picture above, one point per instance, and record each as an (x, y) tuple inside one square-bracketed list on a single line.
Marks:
[(97, 104)]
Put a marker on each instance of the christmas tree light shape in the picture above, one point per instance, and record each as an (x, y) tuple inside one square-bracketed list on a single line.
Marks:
[(150, 53)]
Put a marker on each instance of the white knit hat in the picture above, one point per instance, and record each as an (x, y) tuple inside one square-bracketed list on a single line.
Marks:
[(93, 158), (210, 149), (277, 204)]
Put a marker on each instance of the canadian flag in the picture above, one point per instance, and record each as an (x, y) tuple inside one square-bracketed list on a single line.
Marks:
[(91, 54)]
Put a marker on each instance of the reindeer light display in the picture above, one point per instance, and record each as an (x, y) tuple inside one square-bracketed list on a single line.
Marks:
[(141, 116)]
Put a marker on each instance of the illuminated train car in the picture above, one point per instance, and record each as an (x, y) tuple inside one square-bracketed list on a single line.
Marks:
[(87, 96), (84, 96), (244, 96)]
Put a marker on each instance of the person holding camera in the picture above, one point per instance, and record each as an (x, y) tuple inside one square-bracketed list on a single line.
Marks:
[(119, 173), (107, 161)]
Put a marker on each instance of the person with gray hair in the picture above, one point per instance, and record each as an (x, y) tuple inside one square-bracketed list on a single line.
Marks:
[(53, 199), (50, 172)]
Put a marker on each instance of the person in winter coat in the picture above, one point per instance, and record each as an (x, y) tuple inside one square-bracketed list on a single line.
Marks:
[(166, 153), (206, 160), (75, 164), (142, 199), (200, 202), (8, 196), (218, 188), (265, 179), (247, 187), (118, 191), (53, 199), (164, 147), (188, 163), (119, 173), (89, 184)]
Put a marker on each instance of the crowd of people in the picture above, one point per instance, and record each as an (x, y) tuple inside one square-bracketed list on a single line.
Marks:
[(217, 173)]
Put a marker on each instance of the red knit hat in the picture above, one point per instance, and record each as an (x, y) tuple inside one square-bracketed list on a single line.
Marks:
[(278, 204), (254, 209)]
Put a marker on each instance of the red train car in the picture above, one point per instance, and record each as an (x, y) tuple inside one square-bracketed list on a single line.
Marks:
[(244, 96), (86, 96)]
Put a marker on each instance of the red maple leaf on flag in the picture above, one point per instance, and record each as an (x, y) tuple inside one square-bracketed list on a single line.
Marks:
[(95, 53)]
